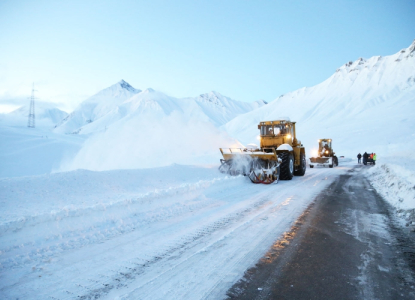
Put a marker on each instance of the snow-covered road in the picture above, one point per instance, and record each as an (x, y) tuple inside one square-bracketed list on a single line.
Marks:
[(123, 234)]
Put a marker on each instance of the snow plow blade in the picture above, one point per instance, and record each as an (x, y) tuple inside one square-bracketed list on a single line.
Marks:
[(321, 161), (259, 166)]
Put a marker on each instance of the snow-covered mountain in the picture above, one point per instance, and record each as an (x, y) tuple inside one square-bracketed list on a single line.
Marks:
[(46, 115), (221, 109), (123, 101), (373, 98), (96, 107)]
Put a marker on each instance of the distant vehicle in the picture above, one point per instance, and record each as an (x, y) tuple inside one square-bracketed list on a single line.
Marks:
[(369, 161), (325, 155), (280, 156)]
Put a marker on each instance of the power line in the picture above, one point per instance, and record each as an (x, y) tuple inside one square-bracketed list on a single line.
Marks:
[(31, 117)]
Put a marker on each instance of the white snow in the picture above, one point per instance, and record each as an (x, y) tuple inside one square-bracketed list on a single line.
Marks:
[(123, 199), (175, 232), (395, 181)]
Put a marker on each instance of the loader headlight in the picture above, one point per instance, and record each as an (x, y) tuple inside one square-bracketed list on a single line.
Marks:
[(288, 136), (327, 151), (258, 137)]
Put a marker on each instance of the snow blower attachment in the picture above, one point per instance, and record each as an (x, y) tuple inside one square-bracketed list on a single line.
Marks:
[(258, 165), (325, 155), (280, 156)]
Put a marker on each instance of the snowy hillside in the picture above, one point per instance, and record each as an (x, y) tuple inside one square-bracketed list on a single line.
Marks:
[(150, 129), (96, 107), (221, 109), (121, 100), (366, 105), (47, 115)]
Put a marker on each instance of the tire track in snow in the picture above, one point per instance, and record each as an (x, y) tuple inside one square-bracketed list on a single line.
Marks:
[(266, 210), (101, 228)]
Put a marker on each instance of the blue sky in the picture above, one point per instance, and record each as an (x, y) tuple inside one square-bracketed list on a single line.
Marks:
[(246, 50)]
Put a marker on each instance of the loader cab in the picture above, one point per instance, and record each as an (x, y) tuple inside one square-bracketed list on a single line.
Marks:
[(275, 133), (325, 147)]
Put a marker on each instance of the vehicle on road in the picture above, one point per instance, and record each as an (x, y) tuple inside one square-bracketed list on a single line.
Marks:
[(280, 155), (325, 155)]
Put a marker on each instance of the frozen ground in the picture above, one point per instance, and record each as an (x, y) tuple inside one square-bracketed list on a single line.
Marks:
[(177, 232)]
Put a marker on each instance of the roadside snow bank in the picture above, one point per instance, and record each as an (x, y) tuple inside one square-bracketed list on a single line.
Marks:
[(396, 184), (154, 141)]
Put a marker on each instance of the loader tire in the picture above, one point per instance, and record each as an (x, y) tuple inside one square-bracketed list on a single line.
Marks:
[(303, 165), (287, 166)]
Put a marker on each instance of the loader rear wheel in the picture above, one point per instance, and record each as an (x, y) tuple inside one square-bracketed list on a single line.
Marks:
[(301, 169), (287, 166)]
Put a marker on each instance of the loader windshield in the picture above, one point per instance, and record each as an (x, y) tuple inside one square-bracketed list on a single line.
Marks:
[(274, 130), (325, 146)]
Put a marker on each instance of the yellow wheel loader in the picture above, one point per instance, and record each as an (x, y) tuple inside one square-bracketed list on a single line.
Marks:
[(325, 155), (280, 155)]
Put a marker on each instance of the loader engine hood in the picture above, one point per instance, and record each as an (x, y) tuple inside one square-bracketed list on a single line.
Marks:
[(285, 147)]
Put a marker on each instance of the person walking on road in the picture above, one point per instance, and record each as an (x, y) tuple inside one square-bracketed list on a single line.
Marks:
[(374, 158), (365, 157), (359, 156)]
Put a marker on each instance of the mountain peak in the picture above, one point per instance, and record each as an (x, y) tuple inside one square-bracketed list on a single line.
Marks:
[(212, 97), (261, 102), (411, 48), (125, 85)]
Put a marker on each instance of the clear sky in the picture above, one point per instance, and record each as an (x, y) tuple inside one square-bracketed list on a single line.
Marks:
[(246, 50)]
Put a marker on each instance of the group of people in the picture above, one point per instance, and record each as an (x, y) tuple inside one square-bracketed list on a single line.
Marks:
[(366, 158)]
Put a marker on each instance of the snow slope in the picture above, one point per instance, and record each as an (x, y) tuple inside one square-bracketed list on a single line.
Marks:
[(221, 109), (121, 100), (153, 141), (151, 129), (366, 105), (96, 106)]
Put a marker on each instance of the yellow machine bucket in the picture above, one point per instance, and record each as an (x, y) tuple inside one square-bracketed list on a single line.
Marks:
[(260, 166)]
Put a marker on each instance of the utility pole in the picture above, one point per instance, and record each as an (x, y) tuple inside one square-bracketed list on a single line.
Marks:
[(31, 117)]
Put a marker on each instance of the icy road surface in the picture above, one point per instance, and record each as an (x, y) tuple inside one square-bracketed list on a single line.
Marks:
[(177, 232)]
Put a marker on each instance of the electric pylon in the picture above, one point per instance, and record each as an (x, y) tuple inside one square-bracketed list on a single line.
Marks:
[(31, 120)]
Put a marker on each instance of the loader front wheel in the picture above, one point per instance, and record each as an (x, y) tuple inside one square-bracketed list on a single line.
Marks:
[(287, 165), (303, 165)]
